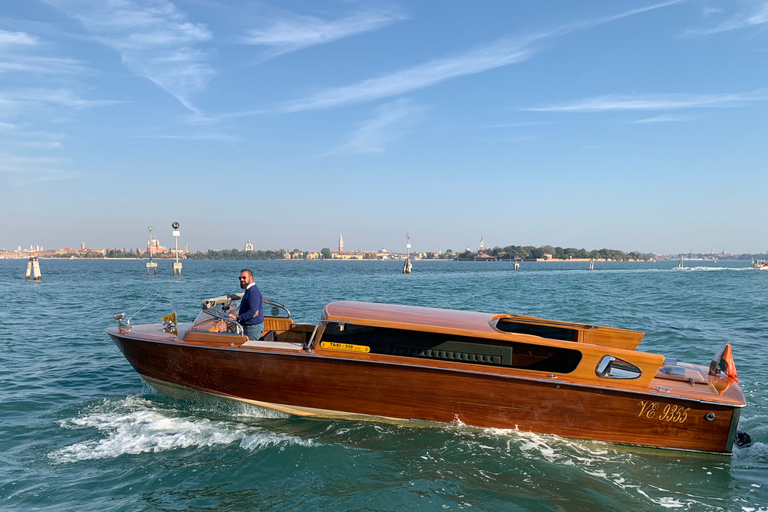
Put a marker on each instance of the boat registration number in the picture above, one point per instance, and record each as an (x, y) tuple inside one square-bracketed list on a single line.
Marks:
[(344, 346), (669, 412)]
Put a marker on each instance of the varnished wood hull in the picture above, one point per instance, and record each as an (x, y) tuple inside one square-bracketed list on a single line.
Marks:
[(307, 383)]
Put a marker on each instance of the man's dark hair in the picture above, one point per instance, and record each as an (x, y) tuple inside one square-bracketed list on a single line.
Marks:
[(249, 272)]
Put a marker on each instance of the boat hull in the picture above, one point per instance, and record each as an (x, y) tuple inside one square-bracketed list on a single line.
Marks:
[(305, 383)]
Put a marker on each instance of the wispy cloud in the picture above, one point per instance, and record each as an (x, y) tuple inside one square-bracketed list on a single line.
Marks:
[(16, 39), (18, 62), (708, 11), (757, 15), (502, 52), (23, 100), (431, 73), (202, 136), (617, 102), (519, 139), (22, 170), (17, 134), (18, 53), (522, 124), (154, 38), (290, 33), (659, 119), (387, 125), (42, 144)]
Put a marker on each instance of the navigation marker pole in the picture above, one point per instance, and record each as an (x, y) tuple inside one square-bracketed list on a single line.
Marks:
[(407, 266), (177, 265), (33, 268), (151, 265)]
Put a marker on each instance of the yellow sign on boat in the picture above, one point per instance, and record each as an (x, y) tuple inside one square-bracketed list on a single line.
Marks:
[(344, 346)]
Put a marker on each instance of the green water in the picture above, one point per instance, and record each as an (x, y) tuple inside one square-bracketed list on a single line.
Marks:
[(80, 431)]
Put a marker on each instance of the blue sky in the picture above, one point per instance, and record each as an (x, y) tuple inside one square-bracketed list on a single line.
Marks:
[(618, 124)]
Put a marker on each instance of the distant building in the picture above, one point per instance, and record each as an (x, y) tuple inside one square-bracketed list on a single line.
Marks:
[(341, 243), (154, 247), (347, 256), (248, 246)]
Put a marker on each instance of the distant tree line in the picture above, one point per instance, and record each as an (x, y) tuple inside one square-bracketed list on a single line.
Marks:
[(108, 253), (122, 253), (527, 252), (235, 254)]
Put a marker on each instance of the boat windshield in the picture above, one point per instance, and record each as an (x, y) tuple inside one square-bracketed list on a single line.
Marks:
[(216, 319), (275, 310), (215, 314)]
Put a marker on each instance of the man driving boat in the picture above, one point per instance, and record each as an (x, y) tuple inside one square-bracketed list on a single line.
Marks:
[(250, 314)]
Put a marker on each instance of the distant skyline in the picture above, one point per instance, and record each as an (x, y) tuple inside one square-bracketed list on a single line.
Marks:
[(637, 126)]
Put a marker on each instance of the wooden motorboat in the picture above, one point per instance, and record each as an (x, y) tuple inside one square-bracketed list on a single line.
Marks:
[(760, 265), (404, 363)]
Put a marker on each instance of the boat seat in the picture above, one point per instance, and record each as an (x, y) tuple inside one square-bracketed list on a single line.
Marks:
[(277, 324)]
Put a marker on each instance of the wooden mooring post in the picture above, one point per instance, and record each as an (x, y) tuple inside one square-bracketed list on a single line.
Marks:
[(33, 269)]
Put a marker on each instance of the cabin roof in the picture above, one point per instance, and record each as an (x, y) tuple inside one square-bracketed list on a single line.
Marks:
[(409, 316), (399, 316)]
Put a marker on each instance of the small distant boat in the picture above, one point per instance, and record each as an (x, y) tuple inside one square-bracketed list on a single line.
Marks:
[(386, 362), (760, 265)]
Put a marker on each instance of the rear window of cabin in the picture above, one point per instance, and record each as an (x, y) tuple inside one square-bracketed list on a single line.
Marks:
[(462, 349), (543, 331)]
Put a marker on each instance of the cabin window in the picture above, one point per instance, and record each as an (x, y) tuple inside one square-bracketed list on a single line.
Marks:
[(446, 347), (611, 367), (544, 331)]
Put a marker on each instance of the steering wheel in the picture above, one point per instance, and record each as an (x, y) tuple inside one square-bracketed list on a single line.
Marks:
[(233, 326)]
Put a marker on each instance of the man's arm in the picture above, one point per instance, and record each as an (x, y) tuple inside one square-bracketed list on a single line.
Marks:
[(248, 309)]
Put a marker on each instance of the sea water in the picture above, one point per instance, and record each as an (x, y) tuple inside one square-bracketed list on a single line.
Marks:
[(80, 431)]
